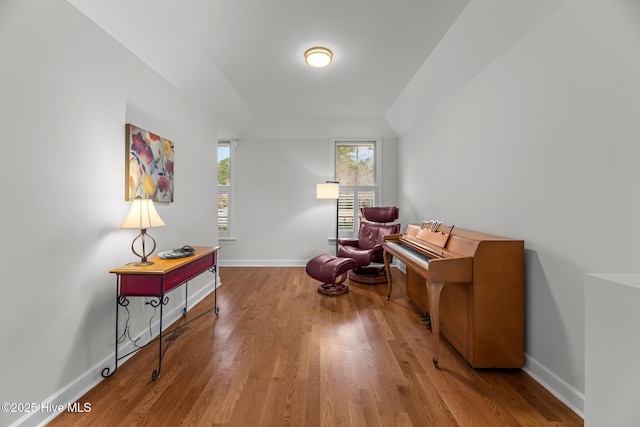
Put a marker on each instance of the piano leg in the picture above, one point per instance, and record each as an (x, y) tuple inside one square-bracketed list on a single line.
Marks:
[(434, 290), (387, 269)]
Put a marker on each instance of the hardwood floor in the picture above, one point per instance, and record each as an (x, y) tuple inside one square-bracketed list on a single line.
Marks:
[(282, 354)]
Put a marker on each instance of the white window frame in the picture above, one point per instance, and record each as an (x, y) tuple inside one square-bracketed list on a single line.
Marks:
[(376, 188), (228, 189)]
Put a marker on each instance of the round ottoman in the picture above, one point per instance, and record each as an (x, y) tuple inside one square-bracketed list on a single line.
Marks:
[(332, 272)]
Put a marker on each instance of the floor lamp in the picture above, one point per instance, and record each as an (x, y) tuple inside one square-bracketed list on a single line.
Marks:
[(330, 190)]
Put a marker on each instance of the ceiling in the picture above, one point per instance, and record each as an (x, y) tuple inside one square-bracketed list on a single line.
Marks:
[(378, 46), (247, 55), (241, 61)]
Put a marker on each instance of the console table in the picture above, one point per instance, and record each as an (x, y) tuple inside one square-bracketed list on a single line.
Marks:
[(156, 281)]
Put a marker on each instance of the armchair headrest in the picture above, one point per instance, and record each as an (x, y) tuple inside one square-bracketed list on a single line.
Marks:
[(380, 214)]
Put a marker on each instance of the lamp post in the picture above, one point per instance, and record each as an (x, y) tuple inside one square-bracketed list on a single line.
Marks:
[(330, 190)]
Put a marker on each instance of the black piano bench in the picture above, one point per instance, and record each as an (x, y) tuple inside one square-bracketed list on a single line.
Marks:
[(332, 272)]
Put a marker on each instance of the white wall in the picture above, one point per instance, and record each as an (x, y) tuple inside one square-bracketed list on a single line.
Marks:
[(542, 145), (277, 219), (67, 91), (173, 53), (611, 322)]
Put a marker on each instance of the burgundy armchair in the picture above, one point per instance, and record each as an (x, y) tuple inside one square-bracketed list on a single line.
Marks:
[(367, 248)]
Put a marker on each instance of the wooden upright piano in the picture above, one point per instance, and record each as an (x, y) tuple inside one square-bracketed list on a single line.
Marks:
[(470, 284)]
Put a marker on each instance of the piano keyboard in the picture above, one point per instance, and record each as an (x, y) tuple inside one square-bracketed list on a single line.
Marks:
[(412, 253)]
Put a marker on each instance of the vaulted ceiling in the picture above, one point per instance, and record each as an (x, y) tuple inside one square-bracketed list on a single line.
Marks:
[(244, 58), (378, 45)]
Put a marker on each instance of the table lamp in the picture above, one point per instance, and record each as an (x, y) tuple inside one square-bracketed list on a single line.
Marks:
[(142, 215)]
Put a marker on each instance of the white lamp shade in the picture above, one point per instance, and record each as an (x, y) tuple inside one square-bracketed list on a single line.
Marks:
[(329, 190), (142, 215)]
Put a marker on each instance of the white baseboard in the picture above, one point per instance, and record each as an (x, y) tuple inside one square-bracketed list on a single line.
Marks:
[(68, 395), (263, 263), (562, 390), (266, 263)]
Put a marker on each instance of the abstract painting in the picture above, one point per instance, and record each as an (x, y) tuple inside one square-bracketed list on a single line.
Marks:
[(149, 166)]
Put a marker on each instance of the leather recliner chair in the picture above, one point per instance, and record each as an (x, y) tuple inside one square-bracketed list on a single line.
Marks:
[(367, 248)]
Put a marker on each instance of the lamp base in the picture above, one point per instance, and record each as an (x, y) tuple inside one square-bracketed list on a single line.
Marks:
[(143, 256)]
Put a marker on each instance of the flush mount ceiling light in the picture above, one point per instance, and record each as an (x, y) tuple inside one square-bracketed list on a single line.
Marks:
[(318, 56)]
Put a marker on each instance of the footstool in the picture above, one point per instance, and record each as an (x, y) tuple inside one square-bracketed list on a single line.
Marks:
[(332, 272)]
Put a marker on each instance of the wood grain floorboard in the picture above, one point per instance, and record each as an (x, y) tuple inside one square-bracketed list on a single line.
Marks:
[(281, 354)]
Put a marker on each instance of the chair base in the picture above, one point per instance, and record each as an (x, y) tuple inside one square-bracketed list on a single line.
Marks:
[(333, 289), (369, 275)]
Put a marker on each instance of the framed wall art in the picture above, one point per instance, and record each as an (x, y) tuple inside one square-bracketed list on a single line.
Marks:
[(149, 166)]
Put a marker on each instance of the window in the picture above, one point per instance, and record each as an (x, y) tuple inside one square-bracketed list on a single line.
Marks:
[(225, 182), (356, 171)]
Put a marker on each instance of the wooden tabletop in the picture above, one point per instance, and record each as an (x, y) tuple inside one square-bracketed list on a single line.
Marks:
[(163, 266)]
